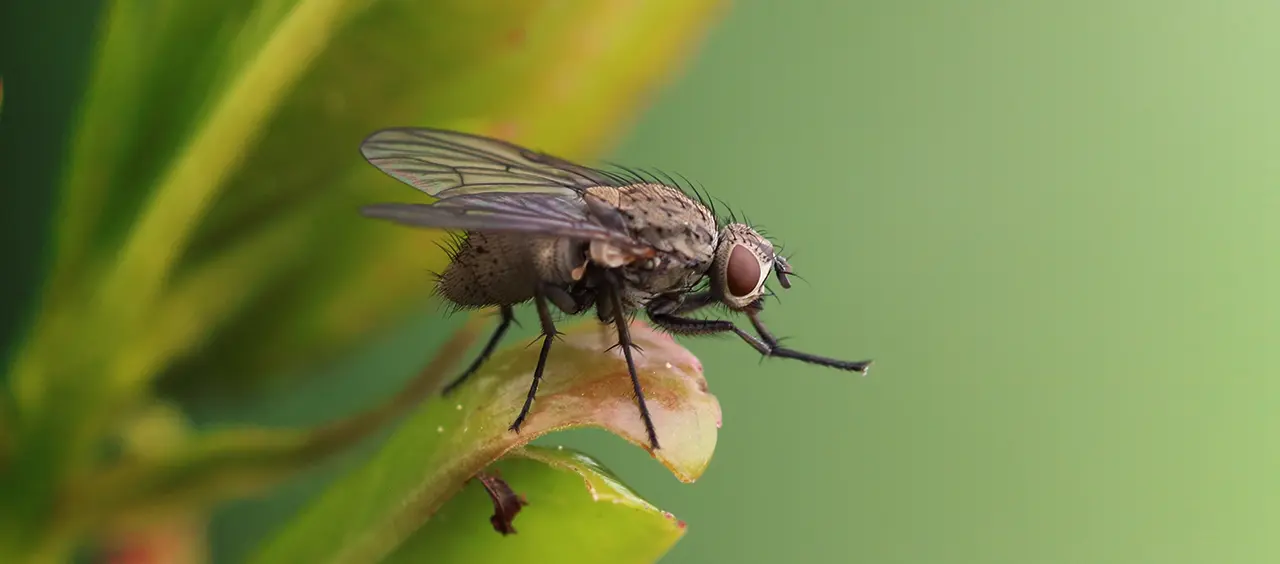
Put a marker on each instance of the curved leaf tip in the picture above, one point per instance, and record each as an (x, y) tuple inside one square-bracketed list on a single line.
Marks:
[(585, 385)]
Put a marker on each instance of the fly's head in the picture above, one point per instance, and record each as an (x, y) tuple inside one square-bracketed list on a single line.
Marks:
[(742, 264)]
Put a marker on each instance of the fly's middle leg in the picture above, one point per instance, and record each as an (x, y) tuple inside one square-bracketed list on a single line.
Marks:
[(624, 341), (549, 333)]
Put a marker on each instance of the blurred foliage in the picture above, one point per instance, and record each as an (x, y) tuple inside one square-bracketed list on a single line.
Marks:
[(206, 238)]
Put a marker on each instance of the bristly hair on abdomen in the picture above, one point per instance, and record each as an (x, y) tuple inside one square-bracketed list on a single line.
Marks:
[(451, 245)]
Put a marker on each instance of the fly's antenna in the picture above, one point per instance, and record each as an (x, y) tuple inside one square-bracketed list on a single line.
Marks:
[(779, 249), (789, 274)]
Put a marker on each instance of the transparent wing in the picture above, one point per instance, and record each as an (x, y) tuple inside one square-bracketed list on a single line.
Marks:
[(545, 214), (450, 163)]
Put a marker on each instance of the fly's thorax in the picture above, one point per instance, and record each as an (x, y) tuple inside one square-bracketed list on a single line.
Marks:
[(667, 219), (680, 228), (679, 233), (608, 195)]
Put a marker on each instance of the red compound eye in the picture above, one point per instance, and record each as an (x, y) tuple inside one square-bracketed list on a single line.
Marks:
[(743, 273)]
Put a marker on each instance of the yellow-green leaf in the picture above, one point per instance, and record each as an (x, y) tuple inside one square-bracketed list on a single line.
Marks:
[(577, 511)]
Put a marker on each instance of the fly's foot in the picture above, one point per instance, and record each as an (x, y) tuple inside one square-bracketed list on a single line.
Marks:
[(515, 426)]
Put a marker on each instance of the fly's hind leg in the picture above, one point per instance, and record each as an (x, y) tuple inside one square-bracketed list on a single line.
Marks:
[(508, 317), (548, 334), (566, 302), (563, 300)]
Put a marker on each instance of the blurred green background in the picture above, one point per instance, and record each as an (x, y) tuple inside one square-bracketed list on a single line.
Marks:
[(1053, 225), (1049, 223)]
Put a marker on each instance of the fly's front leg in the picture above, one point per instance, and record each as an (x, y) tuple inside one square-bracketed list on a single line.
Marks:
[(694, 302), (661, 312), (548, 334), (666, 314), (753, 313)]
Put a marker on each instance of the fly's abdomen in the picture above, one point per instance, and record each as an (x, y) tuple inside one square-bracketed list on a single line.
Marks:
[(495, 268)]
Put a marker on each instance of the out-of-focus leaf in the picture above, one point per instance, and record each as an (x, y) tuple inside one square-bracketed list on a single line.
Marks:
[(178, 536), (177, 540), (159, 476), (135, 191), (578, 512), (368, 513)]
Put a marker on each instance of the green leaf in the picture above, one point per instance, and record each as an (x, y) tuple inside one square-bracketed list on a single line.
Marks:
[(368, 513), (573, 501)]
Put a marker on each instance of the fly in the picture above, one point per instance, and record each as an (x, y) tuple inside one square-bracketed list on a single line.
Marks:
[(543, 229)]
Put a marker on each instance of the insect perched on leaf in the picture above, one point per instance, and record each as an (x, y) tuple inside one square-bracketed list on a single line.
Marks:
[(560, 234)]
